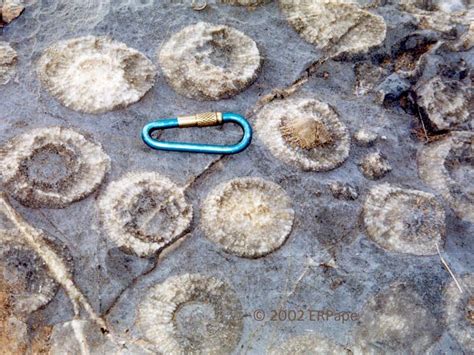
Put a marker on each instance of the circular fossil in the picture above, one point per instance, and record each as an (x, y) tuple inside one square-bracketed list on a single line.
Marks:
[(25, 273), (8, 58), (210, 62), (52, 167), (447, 166), (309, 344), (336, 26), (191, 313), (460, 311), (445, 103), (95, 74), (144, 212), (248, 217), (396, 321), (304, 132), (403, 220)]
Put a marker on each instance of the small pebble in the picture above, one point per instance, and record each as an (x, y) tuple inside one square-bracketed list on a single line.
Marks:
[(392, 88), (365, 138), (343, 191), (375, 166)]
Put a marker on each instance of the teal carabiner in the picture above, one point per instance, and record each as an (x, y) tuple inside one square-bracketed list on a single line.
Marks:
[(199, 120)]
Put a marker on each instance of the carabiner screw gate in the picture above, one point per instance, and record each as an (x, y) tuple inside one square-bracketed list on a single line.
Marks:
[(199, 120)]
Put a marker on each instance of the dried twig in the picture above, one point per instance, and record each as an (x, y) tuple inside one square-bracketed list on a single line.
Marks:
[(448, 268), (423, 125)]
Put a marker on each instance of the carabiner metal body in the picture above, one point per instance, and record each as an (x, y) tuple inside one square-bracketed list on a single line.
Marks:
[(199, 120)]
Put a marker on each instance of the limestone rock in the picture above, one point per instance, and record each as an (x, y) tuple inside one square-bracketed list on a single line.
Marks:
[(309, 344), (79, 336), (367, 77)]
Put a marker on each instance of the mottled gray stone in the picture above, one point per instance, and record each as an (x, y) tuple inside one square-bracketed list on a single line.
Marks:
[(392, 87)]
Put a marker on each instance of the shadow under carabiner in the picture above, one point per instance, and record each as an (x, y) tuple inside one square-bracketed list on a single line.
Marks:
[(200, 120)]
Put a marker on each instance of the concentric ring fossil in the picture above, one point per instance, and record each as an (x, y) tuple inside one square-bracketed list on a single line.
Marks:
[(336, 26), (8, 59), (249, 217), (460, 311), (396, 321), (52, 167), (191, 314), (95, 74), (448, 167), (304, 132), (404, 220), (210, 62), (308, 344), (144, 212)]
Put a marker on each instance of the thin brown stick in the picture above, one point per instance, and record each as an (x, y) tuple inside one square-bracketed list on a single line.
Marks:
[(448, 268), (422, 124)]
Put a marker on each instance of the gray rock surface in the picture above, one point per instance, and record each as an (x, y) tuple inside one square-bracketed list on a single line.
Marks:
[(328, 262)]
